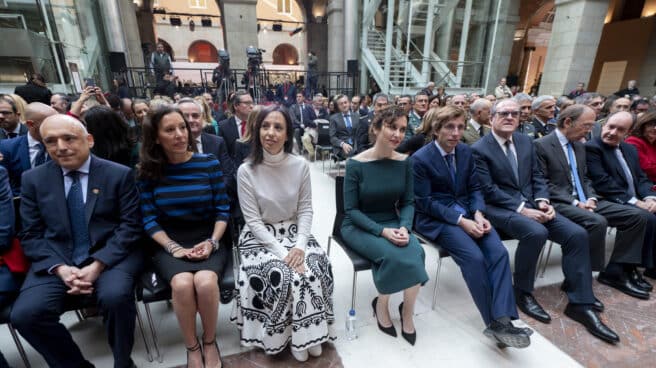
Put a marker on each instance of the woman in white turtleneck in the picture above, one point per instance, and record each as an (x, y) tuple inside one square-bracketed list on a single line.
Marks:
[(286, 281)]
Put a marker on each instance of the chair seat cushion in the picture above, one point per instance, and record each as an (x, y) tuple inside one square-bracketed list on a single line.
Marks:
[(359, 263)]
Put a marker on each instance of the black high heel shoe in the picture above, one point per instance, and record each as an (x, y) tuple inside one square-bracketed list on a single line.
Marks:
[(409, 337), (216, 345), (194, 349), (388, 330)]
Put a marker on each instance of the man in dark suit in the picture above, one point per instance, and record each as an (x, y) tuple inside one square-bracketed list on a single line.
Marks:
[(10, 126), (235, 127), (563, 160), (616, 175), (81, 226), (544, 108), (209, 144), (35, 90), (450, 210), (26, 151), (302, 116), (343, 126), (517, 199), (9, 282)]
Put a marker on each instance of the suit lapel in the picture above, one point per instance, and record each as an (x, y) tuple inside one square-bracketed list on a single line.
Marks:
[(25, 154), (558, 149), (93, 189), (439, 163), (497, 151)]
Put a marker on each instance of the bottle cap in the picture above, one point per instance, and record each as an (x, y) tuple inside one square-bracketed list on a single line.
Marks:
[(352, 312)]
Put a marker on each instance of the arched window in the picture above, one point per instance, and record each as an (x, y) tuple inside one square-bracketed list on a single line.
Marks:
[(285, 54), (202, 52), (167, 48)]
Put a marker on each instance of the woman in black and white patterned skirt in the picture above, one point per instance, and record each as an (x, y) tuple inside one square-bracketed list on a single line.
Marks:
[(285, 279)]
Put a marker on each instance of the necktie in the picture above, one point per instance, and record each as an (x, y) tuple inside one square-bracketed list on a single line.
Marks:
[(481, 132), (512, 160), (347, 120), (76, 214), (243, 128), (12, 135), (451, 164), (300, 109), (627, 172), (575, 173), (41, 156)]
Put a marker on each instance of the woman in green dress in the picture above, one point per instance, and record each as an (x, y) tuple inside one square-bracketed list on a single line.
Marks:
[(379, 205)]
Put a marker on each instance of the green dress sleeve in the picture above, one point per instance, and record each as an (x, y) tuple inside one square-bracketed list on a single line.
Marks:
[(406, 204), (352, 182)]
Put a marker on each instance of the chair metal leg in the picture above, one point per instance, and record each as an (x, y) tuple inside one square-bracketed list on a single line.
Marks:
[(330, 238), (19, 345), (159, 358), (437, 281), (355, 283), (546, 260), (539, 264), (143, 333)]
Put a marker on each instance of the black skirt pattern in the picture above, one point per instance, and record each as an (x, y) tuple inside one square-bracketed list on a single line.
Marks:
[(277, 305)]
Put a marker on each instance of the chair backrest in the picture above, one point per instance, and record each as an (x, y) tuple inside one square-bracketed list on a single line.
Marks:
[(339, 205), (17, 218), (323, 128)]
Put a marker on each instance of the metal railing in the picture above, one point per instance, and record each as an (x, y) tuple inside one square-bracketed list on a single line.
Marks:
[(142, 82)]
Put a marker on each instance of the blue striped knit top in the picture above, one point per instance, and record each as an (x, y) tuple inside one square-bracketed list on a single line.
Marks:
[(189, 192)]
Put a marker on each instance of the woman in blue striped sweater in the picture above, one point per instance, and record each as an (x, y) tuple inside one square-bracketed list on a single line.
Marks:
[(185, 211)]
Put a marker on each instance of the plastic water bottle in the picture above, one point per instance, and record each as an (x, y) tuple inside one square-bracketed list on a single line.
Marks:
[(350, 325)]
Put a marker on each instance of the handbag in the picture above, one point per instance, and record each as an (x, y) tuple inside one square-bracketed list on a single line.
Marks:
[(15, 259)]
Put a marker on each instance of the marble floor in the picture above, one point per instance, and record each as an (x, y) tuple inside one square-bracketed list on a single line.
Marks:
[(449, 336)]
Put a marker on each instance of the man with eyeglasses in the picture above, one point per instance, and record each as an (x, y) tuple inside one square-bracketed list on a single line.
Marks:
[(209, 143), (517, 201), (405, 102), (234, 127), (417, 114), (563, 159), (10, 126)]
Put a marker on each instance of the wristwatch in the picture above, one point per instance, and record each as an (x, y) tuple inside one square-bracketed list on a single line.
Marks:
[(215, 244)]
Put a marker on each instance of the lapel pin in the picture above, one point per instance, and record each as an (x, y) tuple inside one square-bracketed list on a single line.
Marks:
[(95, 191)]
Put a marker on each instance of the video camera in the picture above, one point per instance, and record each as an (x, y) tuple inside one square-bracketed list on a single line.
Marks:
[(254, 56)]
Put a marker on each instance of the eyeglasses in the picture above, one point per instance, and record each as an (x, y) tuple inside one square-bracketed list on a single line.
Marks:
[(514, 114), (6, 112), (194, 115), (247, 103)]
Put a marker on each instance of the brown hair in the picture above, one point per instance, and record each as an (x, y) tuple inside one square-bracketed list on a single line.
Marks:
[(152, 158), (442, 116), (257, 156), (644, 121), (250, 123)]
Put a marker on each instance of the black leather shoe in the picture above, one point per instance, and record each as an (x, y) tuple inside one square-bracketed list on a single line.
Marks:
[(637, 280), (624, 285), (527, 304), (587, 317), (409, 337), (598, 305), (650, 272), (388, 330), (505, 334)]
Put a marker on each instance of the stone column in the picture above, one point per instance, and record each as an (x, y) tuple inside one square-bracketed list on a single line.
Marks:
[(121, 30), (336, 61), (240, 20), (351, 43), (500, 45), (574, 41)]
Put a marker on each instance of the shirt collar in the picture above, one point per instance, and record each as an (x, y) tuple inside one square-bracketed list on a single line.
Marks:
[(237, 120), (442, 151), (198, 139), (475, 124), (501, 140), (561, 138), (84, 169), (31, 142)]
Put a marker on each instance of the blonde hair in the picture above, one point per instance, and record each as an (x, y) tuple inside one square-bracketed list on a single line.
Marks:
[(20, 104), (250, 123), (207, 115)]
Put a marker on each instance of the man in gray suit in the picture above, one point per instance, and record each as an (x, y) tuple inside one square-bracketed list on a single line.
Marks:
[(342, 128), (563, 160)]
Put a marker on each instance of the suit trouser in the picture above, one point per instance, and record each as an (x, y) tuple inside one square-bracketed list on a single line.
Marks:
[(485, 267), (36, 313), (631, 222), (532, 235), (298, 133), (307, 143)]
